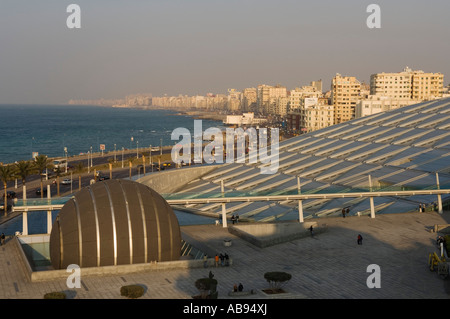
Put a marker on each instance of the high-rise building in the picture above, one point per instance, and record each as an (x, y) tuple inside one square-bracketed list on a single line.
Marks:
[(345, 93), (317, 85), (234, 100), (415, 85), (298, 96), (268, 95), (249, 98)]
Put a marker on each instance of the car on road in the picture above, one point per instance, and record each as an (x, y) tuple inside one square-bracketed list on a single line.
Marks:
[(2, 206), (66, 181)]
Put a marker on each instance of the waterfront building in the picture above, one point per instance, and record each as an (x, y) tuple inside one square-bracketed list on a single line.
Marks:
[(249, 98), (268, 95), (234, 100)]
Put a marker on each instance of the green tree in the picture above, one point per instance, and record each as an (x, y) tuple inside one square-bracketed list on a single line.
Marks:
[(6, 174), (23, 170), (42, 163)]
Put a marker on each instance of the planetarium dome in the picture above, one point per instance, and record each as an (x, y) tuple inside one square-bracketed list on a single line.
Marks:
[(114, 222)]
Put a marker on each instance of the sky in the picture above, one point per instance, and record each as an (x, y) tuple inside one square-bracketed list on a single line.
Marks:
[(199, 46)]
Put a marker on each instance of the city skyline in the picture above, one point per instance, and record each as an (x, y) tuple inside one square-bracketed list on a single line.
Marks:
[(195, 47)]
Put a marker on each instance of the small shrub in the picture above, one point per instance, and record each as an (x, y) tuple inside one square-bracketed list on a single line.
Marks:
[(277, 278), (132, 291), (207, 287), (55, 295)]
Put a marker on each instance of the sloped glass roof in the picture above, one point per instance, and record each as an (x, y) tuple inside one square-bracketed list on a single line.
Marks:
[(399, 149)]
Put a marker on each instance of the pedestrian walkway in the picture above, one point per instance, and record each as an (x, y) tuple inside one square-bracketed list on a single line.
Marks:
[(329, 265)]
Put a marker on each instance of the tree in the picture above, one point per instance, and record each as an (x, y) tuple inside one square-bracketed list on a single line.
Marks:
[(79, 168), (207, 287), (41, 163), (277, 279), (6, 175), (23, 170), (58, 173)]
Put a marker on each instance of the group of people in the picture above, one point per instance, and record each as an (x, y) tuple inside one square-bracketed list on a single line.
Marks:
[(237, 288), (223, 258), (234, 219), (345, 211)]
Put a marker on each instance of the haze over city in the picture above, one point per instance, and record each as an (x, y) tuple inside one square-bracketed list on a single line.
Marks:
[(199, 46)]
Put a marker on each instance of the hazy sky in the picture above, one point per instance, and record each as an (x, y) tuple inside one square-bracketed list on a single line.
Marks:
[(200, 46)]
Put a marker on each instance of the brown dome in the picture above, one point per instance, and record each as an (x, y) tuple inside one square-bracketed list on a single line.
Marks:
[(114, 222)]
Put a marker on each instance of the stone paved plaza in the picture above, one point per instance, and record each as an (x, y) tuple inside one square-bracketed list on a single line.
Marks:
[(329, 266)]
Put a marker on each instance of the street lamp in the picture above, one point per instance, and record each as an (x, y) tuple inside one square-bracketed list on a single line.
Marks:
[(122, 155), (114, 153), (137, 149), (150, 155)]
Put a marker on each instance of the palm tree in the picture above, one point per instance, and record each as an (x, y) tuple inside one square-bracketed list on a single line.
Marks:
[(58, 174), (6, 175), (41, 163), (111, 162), (79, 168), (23, 170)]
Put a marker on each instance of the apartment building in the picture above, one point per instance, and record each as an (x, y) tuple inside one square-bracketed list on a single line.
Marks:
[(408, 84), (345, 93)]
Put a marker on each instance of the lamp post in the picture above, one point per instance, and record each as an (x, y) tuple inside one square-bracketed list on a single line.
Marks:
[(115, 153), (122, 156), (137, 149)]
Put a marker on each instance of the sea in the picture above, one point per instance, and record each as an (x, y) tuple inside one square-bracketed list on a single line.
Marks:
[(53, 130)]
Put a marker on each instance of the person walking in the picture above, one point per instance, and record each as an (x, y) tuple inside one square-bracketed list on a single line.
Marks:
[(2, 239), (216, 259), (359, 239), (205, 261), (311, 230), (343, 212)]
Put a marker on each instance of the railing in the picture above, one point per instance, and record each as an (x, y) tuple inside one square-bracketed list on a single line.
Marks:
[(254, 196)]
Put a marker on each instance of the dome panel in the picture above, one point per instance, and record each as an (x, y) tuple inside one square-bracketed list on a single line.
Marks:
[(114, 222)]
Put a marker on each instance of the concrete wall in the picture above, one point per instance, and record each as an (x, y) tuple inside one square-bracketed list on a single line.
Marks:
[(172, 180), (37, 276), (264, 235)]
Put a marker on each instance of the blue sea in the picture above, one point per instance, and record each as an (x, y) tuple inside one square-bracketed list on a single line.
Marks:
[(49, 129)]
